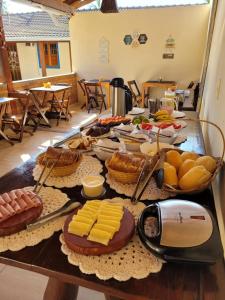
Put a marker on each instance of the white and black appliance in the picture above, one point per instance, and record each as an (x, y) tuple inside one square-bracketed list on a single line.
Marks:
[(180, 231)]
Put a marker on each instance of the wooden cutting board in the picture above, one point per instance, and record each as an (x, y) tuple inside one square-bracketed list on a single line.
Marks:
[(83, 246)]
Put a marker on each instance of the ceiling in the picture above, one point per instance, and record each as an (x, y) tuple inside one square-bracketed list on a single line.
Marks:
[(68, 6)]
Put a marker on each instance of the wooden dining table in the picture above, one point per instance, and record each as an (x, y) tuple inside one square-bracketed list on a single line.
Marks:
[(40, 102), (176, 281), (162, 84)]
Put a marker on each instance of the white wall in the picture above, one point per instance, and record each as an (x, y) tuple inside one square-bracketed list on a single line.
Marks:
[(29, 65), (213, 107), (28, 59), (188, 25)]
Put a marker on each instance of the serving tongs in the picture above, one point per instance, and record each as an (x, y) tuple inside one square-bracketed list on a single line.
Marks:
[(127, 136), (64, 210), (49, 164), (104, 148), (146, 173)]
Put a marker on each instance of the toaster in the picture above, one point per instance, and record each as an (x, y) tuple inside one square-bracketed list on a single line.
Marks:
[(180, 231)]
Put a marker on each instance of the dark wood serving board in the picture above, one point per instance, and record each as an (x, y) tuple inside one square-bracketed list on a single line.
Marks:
[(83, 246)]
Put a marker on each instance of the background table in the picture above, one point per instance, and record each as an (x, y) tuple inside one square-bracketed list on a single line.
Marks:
[(173, 282), (54, 89), (157, 84)]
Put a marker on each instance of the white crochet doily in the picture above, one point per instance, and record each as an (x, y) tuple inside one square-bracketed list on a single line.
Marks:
[(133, 260), (151, 192), (52, 200), (88, 166)]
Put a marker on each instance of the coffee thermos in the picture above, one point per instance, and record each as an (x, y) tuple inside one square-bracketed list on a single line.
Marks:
[(122, 97)]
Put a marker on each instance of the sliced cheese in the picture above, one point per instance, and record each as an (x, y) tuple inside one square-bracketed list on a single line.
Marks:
[(115, 224), (91, 209), (113, 218), (111, 213), (79, 228), (93, 203), (83, 219), (85, 213), (106, 228), (99, 236), (112, 206)]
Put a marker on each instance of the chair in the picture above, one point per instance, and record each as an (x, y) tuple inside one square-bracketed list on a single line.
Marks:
[(18, 116), (61, 104), (94, 95), (136, 94), (81, 85)]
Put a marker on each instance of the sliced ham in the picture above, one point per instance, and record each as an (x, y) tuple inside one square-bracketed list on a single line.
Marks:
[(22, 204), (2, 201), (15, 206), (12, 194), (4, 211), (10, 209), (6, 197), (16, 202), (28, 200)]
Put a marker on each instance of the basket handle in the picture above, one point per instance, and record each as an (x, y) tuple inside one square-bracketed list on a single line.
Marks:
[(203, 121)]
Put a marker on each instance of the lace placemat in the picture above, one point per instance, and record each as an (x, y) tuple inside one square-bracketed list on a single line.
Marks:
[(52, 199), (88, 166), (133, 260), (151, 192)]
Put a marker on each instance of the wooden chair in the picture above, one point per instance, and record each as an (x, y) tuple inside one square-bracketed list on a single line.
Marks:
[(18, 116), (61, 103), (95, 95), (81, 85), (136, 94)]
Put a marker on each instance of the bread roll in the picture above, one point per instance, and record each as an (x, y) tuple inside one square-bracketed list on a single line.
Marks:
[(194, 178), (185, 167), (208, 162), (173, 157), (189, 155), (170, 175)]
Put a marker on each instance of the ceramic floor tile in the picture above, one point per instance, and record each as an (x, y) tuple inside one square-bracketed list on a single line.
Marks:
[(12, 156), (86, 294), (31, 286), (27, 285), (2, 267)]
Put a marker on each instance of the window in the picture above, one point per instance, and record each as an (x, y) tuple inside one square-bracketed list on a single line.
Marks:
[(51, 52)]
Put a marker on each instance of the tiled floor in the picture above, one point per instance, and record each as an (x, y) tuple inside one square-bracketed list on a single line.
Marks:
[(28, 285), (12, 156)]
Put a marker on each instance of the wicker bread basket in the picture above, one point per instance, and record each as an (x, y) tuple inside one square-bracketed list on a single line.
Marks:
[(219, 163), (123, 177), (64, 170)]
